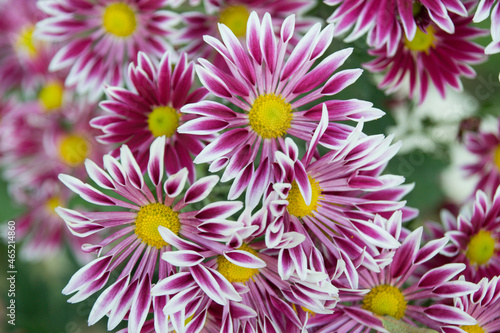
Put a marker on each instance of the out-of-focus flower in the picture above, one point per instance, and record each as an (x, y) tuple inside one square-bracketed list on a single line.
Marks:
[(395, 291), (23, 57), (134, 239), (485, 146), (137, 116), (432, 56), (269, 90), (482, 13), (385, 21), (482, 305), (234, 14), (101, 38), (474, 236)]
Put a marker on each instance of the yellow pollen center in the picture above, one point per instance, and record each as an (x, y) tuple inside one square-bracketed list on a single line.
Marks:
[(24, 42), (235, 273), (119, 19), (385, 300), (163, 120), (422, 41), (473, 329), (235, 18), (296, 203), (496, 157), (52, 203), (481, 248), (51, 96), (270, 116), (73, 150), (150, 217)]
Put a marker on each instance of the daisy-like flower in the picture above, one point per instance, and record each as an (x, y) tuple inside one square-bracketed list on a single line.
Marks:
[(475, 237), (385, 21), (395, 291), (23, 57), (482, 13), (485, 146), (234, 14), (133, 237), (432, 55), (101, 38), (333, 198), (269, 90), (151, 110), (483, 306), (41, 230)]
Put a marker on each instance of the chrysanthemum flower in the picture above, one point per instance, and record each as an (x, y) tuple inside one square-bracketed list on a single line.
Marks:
[(151, 110), (134, 239), (23, 58), (101, 38), (475, 237), (483, 306), (432, 55), (234, 14), (40, 229), (485, 146), (269, 91), (482, 13), (385, 21), (244, 264), (396, 292)]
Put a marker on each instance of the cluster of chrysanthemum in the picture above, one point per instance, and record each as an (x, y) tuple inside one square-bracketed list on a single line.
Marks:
[(251, 201)]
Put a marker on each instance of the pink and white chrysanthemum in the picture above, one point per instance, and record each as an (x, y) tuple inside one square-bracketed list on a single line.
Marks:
[(485, 146), (482, 13), (234, 14), (42, 152), (269, 90), (395, 291), (334, 198), (432, 56), (251, 270), (101, 38), (483, 305), (151, 109), (131, 237), (388, 22), (23, 58), (475, 237), (41, 230)]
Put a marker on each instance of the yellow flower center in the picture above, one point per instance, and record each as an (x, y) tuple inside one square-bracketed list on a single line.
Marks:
[(473, 329), (496, 157), (235, 18), (52, 203), (163, 120), (296, 203), (481, 248), (73, 150), (235, 273), (119, 19), (51, 96), (270, 116), (24, 42), (385, 300), (422, 41), (150, 217)]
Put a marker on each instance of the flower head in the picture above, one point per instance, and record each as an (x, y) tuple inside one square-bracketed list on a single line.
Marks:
[(101, 39)]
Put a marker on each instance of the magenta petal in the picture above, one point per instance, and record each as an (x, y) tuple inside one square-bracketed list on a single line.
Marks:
[(449, 314), (175, 183), (86, 191), (376, 234), (455, 289), (98, 175), (200, 189), (182, 258), (219, 210), (90, 272), (341, 80), (107, 299), (439, 275), (156, 161), (429, 250), (120, 310), (173, 284), (181, 300), (176, 241), (224, 144), (131, 168), (207, 283), (405, 255), (140, 305), (244, 259)]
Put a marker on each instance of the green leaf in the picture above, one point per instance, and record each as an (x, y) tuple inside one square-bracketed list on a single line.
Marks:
[(397, 326)]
